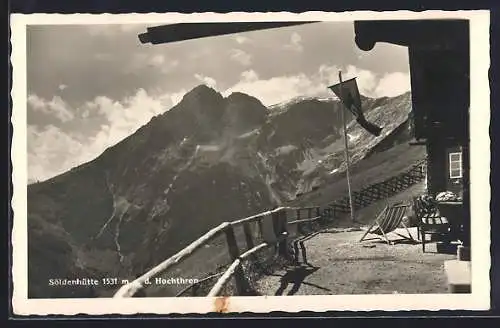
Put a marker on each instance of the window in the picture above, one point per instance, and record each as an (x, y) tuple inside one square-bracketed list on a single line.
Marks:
[(455, 165)]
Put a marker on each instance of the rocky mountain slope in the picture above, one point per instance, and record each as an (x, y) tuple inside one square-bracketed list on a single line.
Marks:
[(207, 160)]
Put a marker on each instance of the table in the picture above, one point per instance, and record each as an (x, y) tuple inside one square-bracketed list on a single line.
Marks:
[(453, 212)]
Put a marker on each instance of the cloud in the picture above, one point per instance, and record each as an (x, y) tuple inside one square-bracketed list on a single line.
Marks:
[(366, 80), (103, 56), (112, 30), (393, 84), (249, 75), (52, 150), (369, 83), (157, 60), (163, 63), (241, 39), (295, 42), (282, 88), (55, 107), (241, 57), (276, 89), (132, 28), (85, 113), (126, 116), (209, 81), (109, 60)]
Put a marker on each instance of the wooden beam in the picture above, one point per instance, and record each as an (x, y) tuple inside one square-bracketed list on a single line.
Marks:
[(252, 251), (417, 143), (216, 289), (198, 283), (250, 219), (234, 253), (260, 224), (259, 216), (280, 226), (248, 235), (232, 270), (304, 220), (134, 286)]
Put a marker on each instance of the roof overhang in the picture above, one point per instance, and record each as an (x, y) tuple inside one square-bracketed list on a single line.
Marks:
[(187, 31), (438, 52), (429, 34)]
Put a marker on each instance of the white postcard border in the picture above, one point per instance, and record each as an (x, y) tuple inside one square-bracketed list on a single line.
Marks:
[(479, 299)]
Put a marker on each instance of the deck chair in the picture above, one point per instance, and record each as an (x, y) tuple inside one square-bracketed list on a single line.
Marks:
[(387, 222)]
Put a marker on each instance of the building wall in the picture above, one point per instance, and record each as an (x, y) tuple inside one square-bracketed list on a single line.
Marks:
[(438, 168), (454, 185)]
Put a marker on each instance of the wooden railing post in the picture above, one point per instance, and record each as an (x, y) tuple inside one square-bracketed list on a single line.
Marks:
[(248, 235), (234, 253), (299, 225), (194, 291), (318, 214), (280, 225), (261, 228)]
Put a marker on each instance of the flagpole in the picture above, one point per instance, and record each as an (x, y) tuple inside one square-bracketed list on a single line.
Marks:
[(346, 150)]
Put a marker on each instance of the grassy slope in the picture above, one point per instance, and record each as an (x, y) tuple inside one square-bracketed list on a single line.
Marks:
[(377, 167)]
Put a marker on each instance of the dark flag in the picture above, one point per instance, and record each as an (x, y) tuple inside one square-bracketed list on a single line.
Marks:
[(352, 101)]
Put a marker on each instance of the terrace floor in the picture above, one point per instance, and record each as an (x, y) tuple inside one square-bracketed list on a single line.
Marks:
[(340, 264)]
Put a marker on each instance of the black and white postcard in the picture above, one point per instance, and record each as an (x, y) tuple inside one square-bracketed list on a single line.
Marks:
[(250, 162)]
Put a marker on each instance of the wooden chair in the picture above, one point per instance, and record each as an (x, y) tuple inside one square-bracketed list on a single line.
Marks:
[(430, 222), (387, 222)]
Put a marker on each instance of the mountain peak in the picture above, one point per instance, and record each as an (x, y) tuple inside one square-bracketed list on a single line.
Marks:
[(203, 87), (202, 91), (238, 94), (240, 97), (244, 112)]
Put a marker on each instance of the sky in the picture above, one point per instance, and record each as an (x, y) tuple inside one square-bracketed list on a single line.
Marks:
[(90, 86)]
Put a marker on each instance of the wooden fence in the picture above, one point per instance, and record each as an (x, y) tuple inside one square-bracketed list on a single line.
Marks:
[(378, 191), (277, 235)]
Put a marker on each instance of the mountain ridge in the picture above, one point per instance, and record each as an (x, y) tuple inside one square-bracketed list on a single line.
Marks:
[(207, 160)]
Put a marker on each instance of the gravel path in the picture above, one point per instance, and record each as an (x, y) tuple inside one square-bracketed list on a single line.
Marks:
[(339, 264)]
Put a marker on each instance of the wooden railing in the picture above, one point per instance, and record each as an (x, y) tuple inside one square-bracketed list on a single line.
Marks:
[(278, 236)]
